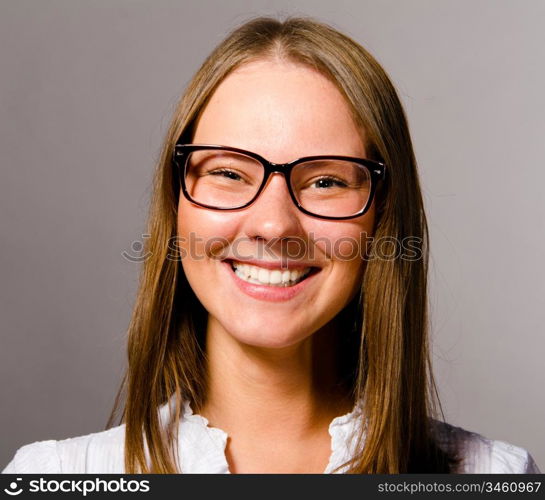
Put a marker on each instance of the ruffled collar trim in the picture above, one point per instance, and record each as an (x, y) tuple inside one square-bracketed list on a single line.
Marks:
[(201, 447)]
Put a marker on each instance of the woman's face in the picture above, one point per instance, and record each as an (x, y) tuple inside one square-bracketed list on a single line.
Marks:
[(282, 111)]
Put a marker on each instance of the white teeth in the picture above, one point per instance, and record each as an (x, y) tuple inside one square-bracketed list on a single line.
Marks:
[(275, 277), (262, 276)]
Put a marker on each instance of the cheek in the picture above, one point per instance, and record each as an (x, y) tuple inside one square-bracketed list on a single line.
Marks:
[(203, 233), (344, 242)]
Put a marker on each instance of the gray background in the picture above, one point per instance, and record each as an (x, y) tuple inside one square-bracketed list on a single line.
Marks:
[(86, 92)]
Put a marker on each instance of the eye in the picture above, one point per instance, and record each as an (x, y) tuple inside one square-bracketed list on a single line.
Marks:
[(224, 172), (328, 182)]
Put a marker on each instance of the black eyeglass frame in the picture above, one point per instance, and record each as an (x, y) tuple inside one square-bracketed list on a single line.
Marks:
[(377, 171)]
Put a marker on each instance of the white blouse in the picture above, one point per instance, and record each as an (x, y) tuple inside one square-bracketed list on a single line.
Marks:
[(201, 449)]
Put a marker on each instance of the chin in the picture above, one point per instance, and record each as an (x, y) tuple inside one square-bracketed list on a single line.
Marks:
[(270, 336)]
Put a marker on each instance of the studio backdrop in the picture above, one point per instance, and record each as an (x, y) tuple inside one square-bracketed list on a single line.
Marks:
[(86, 93)]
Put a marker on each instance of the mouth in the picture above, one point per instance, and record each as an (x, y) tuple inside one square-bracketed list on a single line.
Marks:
[(279, 277)]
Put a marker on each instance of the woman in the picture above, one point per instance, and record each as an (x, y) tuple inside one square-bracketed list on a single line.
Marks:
[(272, 331)]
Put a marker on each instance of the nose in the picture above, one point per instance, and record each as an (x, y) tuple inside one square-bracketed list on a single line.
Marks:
[(273, 214)]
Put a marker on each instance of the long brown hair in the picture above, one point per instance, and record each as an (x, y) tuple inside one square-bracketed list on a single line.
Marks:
[(386, 364)]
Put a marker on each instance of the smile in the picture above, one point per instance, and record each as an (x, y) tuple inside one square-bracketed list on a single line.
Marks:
[(271, 277)]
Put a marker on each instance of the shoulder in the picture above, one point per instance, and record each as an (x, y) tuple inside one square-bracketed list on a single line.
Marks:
[(100, 452), (481, 455)]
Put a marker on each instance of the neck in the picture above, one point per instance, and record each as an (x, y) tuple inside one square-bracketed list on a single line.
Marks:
[(290, 389)]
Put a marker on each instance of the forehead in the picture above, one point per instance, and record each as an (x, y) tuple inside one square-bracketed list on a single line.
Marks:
[(281, 110)]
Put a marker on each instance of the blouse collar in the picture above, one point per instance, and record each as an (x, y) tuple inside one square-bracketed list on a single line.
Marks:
[(201, 447)]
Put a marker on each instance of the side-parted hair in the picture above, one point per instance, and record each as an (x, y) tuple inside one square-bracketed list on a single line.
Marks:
[(385, 360)]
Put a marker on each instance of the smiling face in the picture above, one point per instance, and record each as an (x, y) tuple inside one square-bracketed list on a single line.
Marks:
[(281, 111)]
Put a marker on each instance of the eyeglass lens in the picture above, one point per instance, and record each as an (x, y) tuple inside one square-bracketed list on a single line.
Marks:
[(327, 187)]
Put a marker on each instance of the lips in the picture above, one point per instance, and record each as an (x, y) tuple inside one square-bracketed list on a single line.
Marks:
[(270, 281), (273, 277)]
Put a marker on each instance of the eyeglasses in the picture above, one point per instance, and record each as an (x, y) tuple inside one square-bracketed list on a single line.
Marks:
[(226, 178)]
